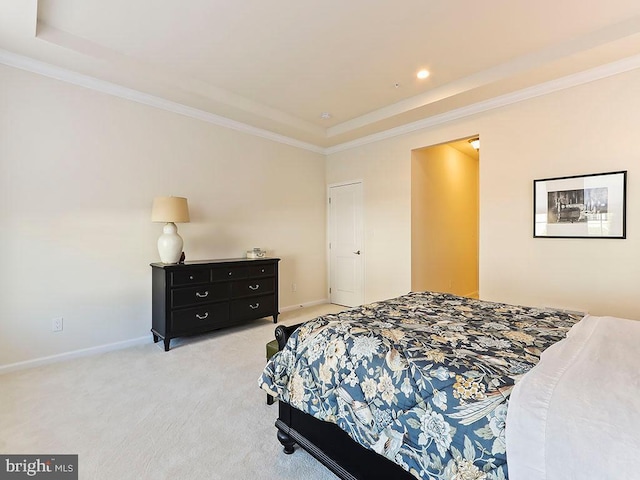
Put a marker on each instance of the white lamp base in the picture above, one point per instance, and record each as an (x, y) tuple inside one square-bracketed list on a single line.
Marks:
[(170, 244)]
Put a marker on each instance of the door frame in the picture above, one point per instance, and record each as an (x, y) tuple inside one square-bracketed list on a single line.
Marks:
[(328, 226)]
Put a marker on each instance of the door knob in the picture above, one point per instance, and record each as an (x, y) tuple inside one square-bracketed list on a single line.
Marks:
[(357, 253)]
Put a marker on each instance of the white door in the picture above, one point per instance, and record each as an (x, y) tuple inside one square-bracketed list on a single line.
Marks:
[(346, 254)]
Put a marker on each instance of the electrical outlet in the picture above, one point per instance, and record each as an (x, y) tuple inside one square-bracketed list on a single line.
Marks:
[(294, 287), (56, 324)]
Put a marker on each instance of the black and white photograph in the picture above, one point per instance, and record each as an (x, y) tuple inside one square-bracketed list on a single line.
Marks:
[(582, 206), (571, 206)]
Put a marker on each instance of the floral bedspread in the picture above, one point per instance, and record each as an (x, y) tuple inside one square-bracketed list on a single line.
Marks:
[(423, 379)]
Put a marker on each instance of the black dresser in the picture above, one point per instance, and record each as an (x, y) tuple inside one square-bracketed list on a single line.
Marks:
[(197, 297)]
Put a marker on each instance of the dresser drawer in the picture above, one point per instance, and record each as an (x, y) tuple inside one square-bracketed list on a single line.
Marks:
[(254, 307), (262, 270), (203, 317), (253, 286), (181, 297), (229, 273), (190, 277)]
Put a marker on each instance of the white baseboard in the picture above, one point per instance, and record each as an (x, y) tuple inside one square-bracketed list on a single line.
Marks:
[(302, 305), (84, 352)]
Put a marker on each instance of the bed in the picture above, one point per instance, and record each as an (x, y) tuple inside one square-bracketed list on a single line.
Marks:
[(576, 415), (412, 387)]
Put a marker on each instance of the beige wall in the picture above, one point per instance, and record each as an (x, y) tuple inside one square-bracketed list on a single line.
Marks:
[(444, 221), (586, 129), (79, 170), (385, 171)]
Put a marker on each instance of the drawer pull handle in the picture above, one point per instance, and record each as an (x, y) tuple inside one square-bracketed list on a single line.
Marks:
[(202, 317), (202, 295), (262, 270), (230, 273), (190, 277), (254, 287), (253, 307)]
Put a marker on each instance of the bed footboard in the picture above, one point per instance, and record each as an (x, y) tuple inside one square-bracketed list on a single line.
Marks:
[(329, 444), (332, 447), (283, 333)]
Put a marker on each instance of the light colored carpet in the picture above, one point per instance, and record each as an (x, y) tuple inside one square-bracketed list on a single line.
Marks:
[(194, 412)]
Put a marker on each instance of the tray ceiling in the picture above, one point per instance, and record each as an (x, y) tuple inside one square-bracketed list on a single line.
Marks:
[(277, 66)]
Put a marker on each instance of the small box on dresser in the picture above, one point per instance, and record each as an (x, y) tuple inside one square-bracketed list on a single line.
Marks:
[(197, 297)]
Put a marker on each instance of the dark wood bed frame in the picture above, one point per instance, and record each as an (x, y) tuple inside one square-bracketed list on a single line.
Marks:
[(327, 442)]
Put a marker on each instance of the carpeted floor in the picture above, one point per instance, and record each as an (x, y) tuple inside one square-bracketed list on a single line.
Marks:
[(194, 412)]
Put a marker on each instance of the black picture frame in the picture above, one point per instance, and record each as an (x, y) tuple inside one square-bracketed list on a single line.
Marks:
[(581, 206)]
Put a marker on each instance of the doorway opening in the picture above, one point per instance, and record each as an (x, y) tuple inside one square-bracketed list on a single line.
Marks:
[(445, 218)]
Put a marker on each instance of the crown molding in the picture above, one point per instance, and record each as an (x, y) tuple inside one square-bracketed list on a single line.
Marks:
[(569, 81), (36, 66), (563, 83), (521, 64)]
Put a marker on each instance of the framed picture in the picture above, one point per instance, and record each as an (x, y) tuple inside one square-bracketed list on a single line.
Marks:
[(582, 206)]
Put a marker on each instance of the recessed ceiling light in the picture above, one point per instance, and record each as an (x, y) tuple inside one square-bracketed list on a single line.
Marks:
[(325, 115), (422, 74)]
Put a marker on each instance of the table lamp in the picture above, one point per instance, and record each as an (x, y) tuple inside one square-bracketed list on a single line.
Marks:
[(170, 210)]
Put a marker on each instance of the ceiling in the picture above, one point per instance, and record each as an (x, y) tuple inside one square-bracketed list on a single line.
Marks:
[(276, 66)]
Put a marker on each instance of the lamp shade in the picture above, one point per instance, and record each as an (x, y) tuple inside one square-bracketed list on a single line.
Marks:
[(170, 209)]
